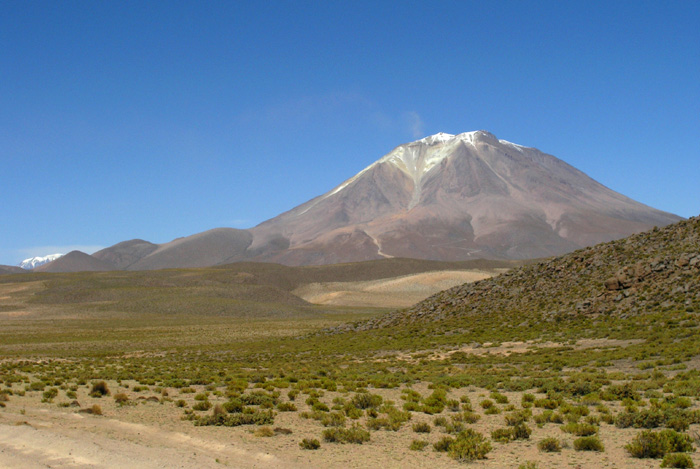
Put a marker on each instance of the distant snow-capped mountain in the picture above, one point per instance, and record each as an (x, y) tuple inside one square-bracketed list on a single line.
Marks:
[(34, 262)]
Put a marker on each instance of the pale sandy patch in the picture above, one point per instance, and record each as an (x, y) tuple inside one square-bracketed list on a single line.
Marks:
[(396, 292)]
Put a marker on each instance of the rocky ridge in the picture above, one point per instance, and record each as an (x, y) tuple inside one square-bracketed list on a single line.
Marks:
[(654, 271)]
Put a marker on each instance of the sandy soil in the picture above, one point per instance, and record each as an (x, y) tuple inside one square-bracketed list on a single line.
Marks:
[(152, 435), (399, 292)]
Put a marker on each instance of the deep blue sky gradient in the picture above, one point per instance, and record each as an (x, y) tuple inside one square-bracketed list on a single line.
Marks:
[(155, 120)]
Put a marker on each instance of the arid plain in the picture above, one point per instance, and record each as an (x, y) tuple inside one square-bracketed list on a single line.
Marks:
[(571, 361)]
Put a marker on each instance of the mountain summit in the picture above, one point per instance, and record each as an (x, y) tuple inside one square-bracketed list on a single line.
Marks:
[(443, 197), (34, 262), (455, 197)]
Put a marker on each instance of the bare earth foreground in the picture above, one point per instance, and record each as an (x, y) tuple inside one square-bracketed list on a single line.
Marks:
[(150, 434)]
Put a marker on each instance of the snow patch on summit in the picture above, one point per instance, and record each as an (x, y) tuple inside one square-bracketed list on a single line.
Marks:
[(34, 262), (417, 158)]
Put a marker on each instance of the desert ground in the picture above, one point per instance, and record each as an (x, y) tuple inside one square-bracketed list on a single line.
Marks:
[(216, 368)]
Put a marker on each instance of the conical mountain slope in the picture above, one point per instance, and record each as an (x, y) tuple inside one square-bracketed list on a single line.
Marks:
[(454, 197), (76, 261)]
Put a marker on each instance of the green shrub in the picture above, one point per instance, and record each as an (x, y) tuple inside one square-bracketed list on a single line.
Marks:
[(121, 398), (502, 435), (650, 444), (418, 445), (37, 386), (443, 444), (580, 429), (549, 445), (260, 398), (307, 443), (255, 417), (469, 446), (588, 443), (453, 405), (516, 418), (422, 427), (354, 434), (486, 404), (527, 400), (286, 407), (549, 404), (49, 395), (202, 406), (234, 406), (499, 398), (521, 432), (333, 419), (680, 460), (366, 401)]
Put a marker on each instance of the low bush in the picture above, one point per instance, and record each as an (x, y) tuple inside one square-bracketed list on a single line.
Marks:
[(286, 407), (121, 398), (580, 429), (49, 395), (202, 406), (588, 443), (99, 389), (366, 401), (443, 444), (469, 446), (264, 432), (679, 460), (418, 445), (549, 445), (650, 444), (333, 419), (257, 417), (422, 427), (308, 443), (502, 435), (354, 434)]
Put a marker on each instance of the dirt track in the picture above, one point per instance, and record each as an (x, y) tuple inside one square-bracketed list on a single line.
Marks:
[(44, 438)]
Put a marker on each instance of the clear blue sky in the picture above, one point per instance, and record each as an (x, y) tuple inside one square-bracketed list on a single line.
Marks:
[(161, 119)]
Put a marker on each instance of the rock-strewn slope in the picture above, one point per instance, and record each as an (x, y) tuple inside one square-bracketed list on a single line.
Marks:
[(654, 271)]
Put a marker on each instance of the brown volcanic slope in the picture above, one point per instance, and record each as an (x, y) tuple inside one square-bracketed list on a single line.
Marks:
[(10, 269), (75, 261), (126, 253), (454, 197), (213, 247), (444, 197), (652, 272)]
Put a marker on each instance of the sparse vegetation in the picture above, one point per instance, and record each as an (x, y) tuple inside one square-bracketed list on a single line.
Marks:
[(549, 445), (578, 358), (307, 443)]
